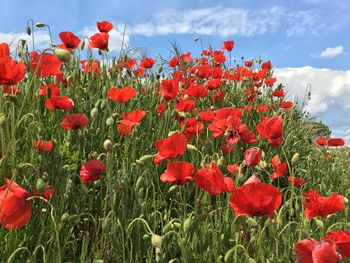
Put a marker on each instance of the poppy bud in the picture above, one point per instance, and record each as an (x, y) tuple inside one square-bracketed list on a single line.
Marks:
[(220, 161), (100, 52), (191, 147), (40, 24), (82, 45), (108, 145), (28, 30), (168, 227), (145, 237), (188, 224), (144, 158), (93, 113), (40, 186), (103, 105), (251, 222), (172, 188), (65, 217), (2, 120), (229, 255), (202, 217), (262, 164), (156, 241), (109, 121), (295, 159), (63, 55), (319, 223)]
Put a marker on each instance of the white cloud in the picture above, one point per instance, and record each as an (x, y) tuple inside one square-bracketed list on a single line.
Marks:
[(331, 52), (41, 38), (330, 94), (115, 36), (227, 21)]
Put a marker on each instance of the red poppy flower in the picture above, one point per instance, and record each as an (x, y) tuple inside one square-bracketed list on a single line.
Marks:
[(206, 116), (53, 89), (196, 91), (43, 146), (317, 205), (234, 169), (256, 199), (185, 105), (91, 171), (178, 173), (161, 108), (270, 81), (341, 239), (59, 102), (296, 181), (211, 179), (74, 121), (267, 65), (174, 62), (170, 147), (262, 108), (15, 210), (310, 250), (147, 63), (248, 63), (104, 26), (219, 57), (47, 194), (99, 40), (4, 50), (70, 41), (321, 141), (213, 84), (90, 66), (279, 168), (130, 120), (271, 129), (49, 64), (278, 93), (169, 88), (252, 156), (336, 142), (11, 72), (228, 45), (286, 104), (122, 94), (11, 90)]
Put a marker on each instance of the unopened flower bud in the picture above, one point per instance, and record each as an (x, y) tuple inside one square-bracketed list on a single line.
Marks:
[(109, 121), (93, 113), (63, 55), (295, 159), (28, 30), (40, 186), (40, 24), (156, 241), (108, 145)]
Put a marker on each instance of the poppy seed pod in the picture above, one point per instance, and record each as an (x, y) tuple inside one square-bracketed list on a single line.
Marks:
[(63, 55)]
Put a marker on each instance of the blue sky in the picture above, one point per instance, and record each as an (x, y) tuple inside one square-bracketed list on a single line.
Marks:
[(305, 39)]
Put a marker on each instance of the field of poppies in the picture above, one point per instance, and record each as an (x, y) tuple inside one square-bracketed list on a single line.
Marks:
[(181, 158)]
